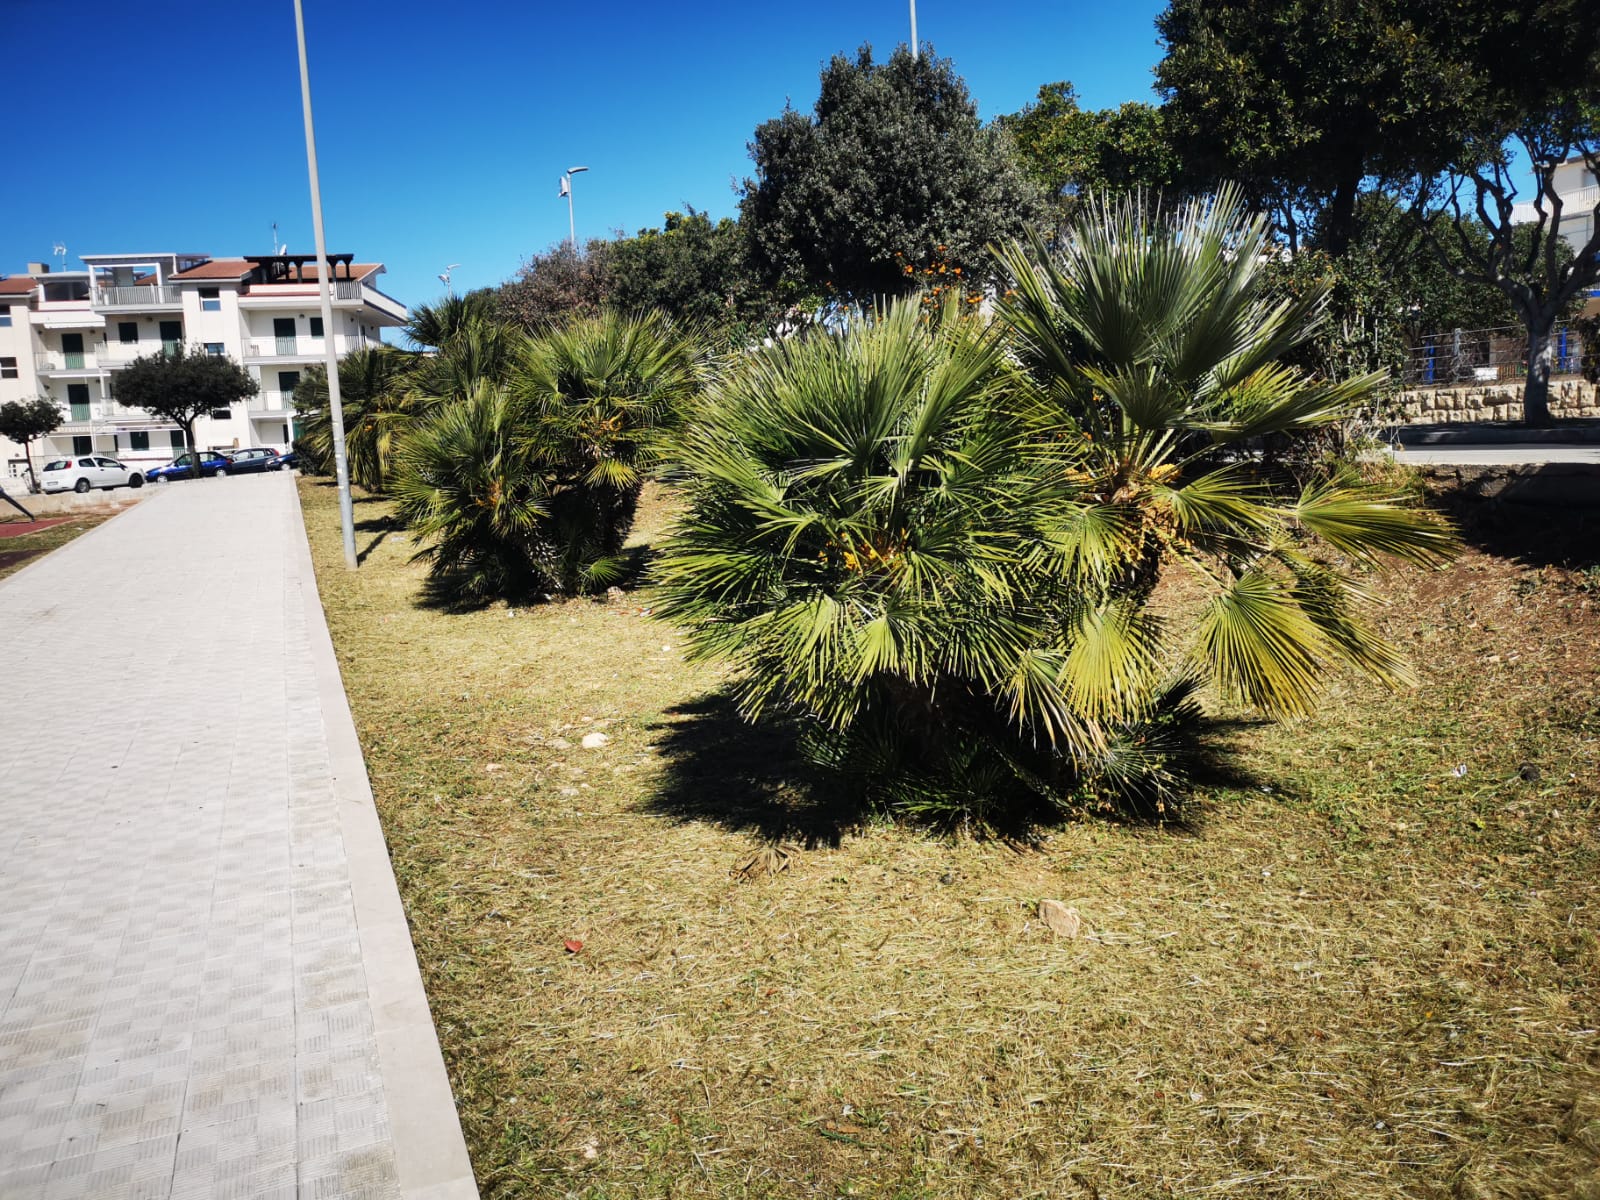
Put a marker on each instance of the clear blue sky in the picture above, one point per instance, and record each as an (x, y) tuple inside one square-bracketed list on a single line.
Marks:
[(442, 128)]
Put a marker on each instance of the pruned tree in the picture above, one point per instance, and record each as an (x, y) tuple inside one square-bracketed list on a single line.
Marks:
[(24, 422), (183, 386), (892, 161), (1541, 273)]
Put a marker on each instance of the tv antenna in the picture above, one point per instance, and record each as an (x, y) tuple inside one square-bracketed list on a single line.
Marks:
[(60, 251), (276, 247)]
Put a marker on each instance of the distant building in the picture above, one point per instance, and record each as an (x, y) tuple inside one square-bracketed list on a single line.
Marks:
[(64, 335)]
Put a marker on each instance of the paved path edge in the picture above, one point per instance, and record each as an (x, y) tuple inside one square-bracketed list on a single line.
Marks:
[(430, 1150)]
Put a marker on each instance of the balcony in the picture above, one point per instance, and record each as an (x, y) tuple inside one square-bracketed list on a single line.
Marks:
[(120, 354), (271, 403), (58, 362), (285, 347), (107, 416), (142, 296)]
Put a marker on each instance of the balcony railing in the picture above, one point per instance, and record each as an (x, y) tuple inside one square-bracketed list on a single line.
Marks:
[(52, 361), (285, 347), (120, 354), (266, 401), (166, 295)]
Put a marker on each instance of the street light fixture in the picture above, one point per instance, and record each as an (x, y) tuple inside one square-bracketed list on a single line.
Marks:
[(566, 190), (445, 278)]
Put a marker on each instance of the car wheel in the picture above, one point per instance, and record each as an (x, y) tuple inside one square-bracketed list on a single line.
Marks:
[(221, 474), (81, 486), (136, 481)]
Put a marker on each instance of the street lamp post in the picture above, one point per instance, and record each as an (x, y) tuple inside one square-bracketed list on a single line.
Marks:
[(566, 190), (913, 30), (341, 464)]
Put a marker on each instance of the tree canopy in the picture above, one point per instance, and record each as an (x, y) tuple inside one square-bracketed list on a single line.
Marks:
[(24, 421), (892, 161), (183, 385), (1068, 151), (1300, 101)]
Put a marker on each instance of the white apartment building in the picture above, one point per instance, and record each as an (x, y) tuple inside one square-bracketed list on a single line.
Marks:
[(65, 334)]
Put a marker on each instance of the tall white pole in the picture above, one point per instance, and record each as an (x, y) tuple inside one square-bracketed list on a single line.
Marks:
[(572, 227), (341, 466), (913, 30)]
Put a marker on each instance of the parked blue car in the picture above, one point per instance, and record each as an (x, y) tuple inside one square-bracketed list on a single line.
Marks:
[(182, 467)]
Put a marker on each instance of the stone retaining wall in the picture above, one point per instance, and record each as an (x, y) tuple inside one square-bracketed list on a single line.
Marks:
[(1496, 402), (1565, 486)]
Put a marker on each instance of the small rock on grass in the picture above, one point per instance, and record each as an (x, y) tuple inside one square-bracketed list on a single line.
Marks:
[(1063, 921), (593, 741)]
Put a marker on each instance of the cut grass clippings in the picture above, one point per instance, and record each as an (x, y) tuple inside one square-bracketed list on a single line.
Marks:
[(659, 968)]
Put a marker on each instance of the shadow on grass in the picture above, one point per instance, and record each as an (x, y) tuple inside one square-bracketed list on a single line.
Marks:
[(754, 778), (725, 771), (1533, 535)]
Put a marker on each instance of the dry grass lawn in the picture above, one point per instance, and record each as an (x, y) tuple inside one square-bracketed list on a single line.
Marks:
[(660, 968)]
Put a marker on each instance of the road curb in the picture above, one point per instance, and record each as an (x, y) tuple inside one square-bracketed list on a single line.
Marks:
[(430, 1151)]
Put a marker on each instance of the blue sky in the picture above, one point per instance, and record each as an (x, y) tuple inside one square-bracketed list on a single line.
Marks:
[(443, 128)]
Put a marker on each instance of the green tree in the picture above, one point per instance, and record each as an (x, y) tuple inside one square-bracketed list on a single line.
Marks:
[(183, 386), (1070, 152), (24, 422), (938, 541), (1474, 227), (1303, 101), (696, 272), (892, 161), (555, 285)]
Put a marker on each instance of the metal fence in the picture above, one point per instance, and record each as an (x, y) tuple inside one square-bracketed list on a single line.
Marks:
[(1486, 356)]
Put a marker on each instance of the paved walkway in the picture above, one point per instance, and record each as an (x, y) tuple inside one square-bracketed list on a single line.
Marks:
[(207, 988), (1496, 455)]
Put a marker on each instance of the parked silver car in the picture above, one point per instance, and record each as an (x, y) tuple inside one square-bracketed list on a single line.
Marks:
[(84, 471)]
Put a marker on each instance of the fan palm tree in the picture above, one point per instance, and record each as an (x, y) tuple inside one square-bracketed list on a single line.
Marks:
[(1151, 344), (596, 393), (939, 541), (474, 496), (527, 482), (377, 406)]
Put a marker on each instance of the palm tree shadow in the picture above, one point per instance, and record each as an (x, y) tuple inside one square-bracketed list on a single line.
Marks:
[(746, 777)]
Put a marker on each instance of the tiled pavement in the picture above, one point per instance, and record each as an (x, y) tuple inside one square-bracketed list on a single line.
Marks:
[(205, 985)]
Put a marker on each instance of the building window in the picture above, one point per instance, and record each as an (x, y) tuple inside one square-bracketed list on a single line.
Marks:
[(210, 300), (82, 443), (138, 441), (221, 414), (215, 349), (128, 332), (287, 382), (316, 326), (8, 368), (5, 318), (177, 439)]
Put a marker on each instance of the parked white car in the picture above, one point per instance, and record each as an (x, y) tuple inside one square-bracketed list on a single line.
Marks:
[(82, 472)]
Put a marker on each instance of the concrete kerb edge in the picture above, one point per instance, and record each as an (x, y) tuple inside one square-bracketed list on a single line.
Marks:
[(430, 1150), (81, 539)]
